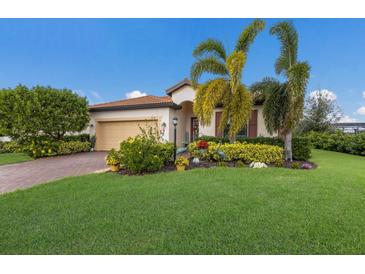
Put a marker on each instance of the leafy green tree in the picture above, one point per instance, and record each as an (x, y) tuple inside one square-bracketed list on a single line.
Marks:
[(27, 113), (320, 113), (227, 88), (284, 102)]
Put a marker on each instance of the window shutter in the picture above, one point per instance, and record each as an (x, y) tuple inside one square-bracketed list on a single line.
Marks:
[(252, 125), (218, 116)]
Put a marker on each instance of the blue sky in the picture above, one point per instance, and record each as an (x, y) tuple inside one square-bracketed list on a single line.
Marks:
[(104, 59)]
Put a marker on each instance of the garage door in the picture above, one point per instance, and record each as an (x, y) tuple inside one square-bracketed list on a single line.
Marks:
[(109, 134)]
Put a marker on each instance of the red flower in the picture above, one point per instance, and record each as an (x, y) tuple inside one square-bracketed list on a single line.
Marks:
[(203, 144)]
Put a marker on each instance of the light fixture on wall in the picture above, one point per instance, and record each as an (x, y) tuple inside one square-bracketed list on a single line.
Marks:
[(174, 122)]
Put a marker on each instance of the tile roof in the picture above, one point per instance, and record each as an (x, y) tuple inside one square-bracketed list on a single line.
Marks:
[(148, 101)]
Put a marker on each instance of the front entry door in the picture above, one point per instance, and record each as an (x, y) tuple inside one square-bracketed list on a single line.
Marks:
[(194, 129)]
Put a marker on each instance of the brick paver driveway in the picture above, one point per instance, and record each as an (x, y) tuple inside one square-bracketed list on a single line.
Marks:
[(23, 175)]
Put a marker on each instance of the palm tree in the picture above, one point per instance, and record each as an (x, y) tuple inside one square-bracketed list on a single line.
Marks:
[(284, 102), (227, 88)]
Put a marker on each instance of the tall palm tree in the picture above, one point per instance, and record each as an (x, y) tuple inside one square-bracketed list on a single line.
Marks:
[(284, 102), (227, 88)]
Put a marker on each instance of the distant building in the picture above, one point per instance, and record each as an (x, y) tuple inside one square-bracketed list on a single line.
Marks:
[(350, 127)]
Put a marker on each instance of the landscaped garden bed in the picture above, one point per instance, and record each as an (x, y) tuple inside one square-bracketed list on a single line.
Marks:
[(147, 153)]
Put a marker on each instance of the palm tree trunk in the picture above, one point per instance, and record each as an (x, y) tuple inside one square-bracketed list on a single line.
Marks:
[(288, 146)]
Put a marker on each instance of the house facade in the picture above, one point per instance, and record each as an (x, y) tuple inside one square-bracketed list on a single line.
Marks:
[(115, 121)]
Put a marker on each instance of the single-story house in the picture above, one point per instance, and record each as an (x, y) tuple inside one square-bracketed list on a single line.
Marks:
[(115, 121)]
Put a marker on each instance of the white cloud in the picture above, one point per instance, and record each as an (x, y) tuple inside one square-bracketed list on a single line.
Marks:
[(324, 92), (361, 111), (363, 94), (347, 119), (135, 94), (96, 95)]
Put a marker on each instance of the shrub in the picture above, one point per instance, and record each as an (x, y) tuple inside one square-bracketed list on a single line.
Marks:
[(241, 151), (213, 139), (145, 152), (10, 147), (73, 147), (79, 137), (41, 148), (338, 141), (181, 161), (295, 165), (202, 144), (301, 146), (239, 163), (112, 158), (222, 164)]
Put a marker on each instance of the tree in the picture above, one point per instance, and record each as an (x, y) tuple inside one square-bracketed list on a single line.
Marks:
[(227, 89), (40, 111), (320, 113), (284, 102)]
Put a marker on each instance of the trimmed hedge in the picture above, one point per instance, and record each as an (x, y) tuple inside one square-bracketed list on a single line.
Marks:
[(247, 153), (301, 145), (338, 141)]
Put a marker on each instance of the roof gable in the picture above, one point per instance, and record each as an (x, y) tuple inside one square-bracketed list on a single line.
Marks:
[(177, 86)]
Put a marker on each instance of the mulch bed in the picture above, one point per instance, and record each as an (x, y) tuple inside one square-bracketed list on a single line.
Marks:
[(205, 164)]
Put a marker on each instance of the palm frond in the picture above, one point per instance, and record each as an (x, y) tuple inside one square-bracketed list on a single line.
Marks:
[(260, 90), (298, 76), (208, 96), (275, 108), (234, 64), (249, 34), (240, 110), (210, 47), (207, 65), (288, 38)]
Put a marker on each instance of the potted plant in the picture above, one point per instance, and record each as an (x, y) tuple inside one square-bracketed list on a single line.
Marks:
[(181, 163), (113, 160)]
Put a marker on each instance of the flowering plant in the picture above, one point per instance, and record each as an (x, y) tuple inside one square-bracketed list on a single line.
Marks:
[(203, 144), (307, 166), (181, 161)]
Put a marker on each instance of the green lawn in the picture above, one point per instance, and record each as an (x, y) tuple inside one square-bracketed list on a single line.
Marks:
[(12, 158), (203, 211)]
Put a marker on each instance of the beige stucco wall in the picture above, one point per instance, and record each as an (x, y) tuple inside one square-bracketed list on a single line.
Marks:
[(261, 129), (161, 114), (185, 93)]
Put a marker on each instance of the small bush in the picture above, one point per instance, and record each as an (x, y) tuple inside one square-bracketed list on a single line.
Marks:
[(222, 164), (295, 165), (202, 144), (181, 161), (239, 163), (10, 147), (213, 139), (73, 147), (41, 148), (145, 152), (80, 137), (241, 151), (112, 158), (301, 148)]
